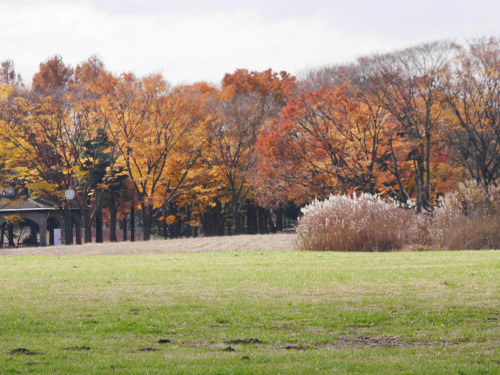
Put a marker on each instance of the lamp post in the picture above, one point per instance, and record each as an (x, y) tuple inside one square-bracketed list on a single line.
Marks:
[(68, 227)]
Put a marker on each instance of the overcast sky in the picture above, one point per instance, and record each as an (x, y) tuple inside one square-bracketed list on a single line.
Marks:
[(200, 40)]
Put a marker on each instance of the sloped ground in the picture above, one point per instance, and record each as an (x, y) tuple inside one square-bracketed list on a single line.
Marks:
[(268, 242)]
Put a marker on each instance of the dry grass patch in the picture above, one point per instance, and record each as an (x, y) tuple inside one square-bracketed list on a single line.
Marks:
[(356, 223), (242, 243)]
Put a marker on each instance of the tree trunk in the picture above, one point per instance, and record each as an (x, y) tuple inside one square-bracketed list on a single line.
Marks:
[(428, 171), (132, 223), (251, 218), (87, 228), (403, 195), (177, 229), (261, 215), (98, 227), (213, 221), (158, 227), (174, 228), (78, 232), (420, 184), (236, 216), (189, 231), (87, 224), (272, 227), (124, 228), (147, 219), (68, 232), (279, 219), (112, 222), (164, 223)]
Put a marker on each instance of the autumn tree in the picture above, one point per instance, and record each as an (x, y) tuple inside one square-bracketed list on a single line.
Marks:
[(472, 93), (155, 133), (373, 126), (53, 78), (329, 140), (190, 192), (281, 174), (8, 157), (408, 84), (322, 129), (11, 89), (239, 113), (36, 127), (8, 75), (89, 141)]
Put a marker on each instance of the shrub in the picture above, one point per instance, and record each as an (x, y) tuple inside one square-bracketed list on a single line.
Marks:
[(357, 223), (467, 219)]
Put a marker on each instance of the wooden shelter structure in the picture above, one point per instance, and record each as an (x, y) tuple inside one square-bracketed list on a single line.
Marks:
[(41, 214)]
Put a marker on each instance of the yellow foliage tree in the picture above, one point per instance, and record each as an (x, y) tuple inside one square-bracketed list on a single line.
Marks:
[(155, 131)]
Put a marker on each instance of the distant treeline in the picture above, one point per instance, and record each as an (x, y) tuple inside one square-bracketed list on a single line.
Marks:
[(240, 158)]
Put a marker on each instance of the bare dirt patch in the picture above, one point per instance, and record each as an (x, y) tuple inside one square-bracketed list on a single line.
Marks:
[(77, 348), (294, 347), (367, 341), (23, 351), (258, 242), (380, 342), (244, 341)]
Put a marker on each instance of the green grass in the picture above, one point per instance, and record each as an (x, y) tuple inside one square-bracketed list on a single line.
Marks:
[(415, 313)]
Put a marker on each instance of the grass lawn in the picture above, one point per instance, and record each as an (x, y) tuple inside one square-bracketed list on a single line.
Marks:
[(251, 312)]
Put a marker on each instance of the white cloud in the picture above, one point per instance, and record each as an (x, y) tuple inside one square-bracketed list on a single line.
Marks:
[(184, 47)]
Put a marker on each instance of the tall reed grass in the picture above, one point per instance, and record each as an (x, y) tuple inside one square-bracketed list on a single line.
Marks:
[(356, 223), (466, 219)]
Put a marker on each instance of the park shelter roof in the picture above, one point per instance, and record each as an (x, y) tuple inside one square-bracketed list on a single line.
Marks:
[(21, 205)]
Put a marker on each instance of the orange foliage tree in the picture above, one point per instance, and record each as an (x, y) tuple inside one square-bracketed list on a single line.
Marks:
[(324, 143), (408, 84), (39, 132), (238, 114), (156, 135)]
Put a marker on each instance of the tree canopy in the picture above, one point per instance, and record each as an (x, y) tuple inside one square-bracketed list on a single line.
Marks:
[(409, 125)]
